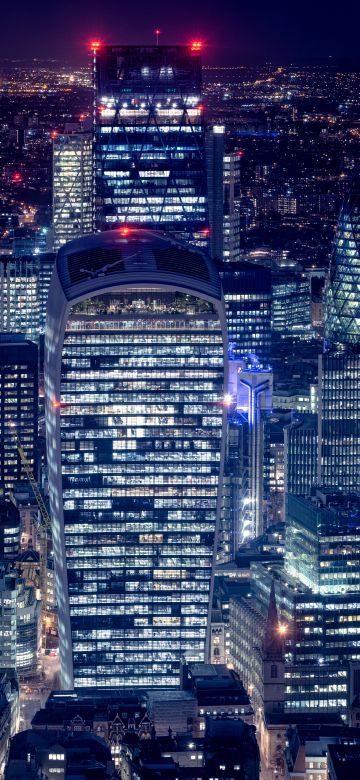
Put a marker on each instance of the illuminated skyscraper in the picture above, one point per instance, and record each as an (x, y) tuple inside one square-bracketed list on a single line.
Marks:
[(72, 186), (46, 263), (339, 418), (224, 178), (301, 454), (249, 401), (318, 599), (215, 170), (342, 312), (24, 286), (150, 139), (339, 366), (232, 206), (19, 299), (291, 304), (135, 370), (247, 293), (18, 406)]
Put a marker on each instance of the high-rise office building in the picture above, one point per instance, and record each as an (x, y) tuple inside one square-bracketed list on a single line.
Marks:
[(215, 175), (46, 263), (18, 406), (247, 293), (19, 299), (28, 634), (339, 366), (20, 622), (291, 304), (274, 465), (339, 418), (24, 286), (249, 402), (232, 206), (150, 139), (72, 186), (342, 310), (9, 530), (225, 206), (8, 615), (318, 600), (135, 366), (301, 454)]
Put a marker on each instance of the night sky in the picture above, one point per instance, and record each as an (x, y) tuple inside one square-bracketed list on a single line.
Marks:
[(235, 31)]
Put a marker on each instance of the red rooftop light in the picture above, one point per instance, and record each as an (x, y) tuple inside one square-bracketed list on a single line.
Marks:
[(95, 45), (54, 134), (196, 45), (17, 177)]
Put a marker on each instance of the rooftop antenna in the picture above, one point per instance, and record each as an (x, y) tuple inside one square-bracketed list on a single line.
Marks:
[(157, 32)]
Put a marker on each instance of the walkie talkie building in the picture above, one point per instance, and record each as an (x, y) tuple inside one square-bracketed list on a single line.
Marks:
[(150, 139), (135, 368)]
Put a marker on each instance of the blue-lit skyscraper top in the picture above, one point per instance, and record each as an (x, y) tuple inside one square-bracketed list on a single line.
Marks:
[(150, 139), (246, 372), (249, 400), (343, 293)]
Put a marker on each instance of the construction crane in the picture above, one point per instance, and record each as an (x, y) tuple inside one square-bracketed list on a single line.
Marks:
[(45, 524)]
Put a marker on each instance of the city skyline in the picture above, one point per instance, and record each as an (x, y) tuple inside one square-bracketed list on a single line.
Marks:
[(180, 393), (235, 33)]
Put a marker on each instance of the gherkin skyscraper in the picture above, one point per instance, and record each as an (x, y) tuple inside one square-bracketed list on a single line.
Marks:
[(343, 293)]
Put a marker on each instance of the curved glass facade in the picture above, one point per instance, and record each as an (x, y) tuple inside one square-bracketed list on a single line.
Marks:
[(135, 452), (343, 293)]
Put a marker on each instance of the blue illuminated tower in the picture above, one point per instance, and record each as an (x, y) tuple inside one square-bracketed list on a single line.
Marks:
[(135, 370), (249, 400), (150, 166)]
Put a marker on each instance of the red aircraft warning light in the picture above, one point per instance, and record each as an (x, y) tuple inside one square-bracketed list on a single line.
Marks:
[(196, 46), (17, 177), (95, 45), (54, 134)]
